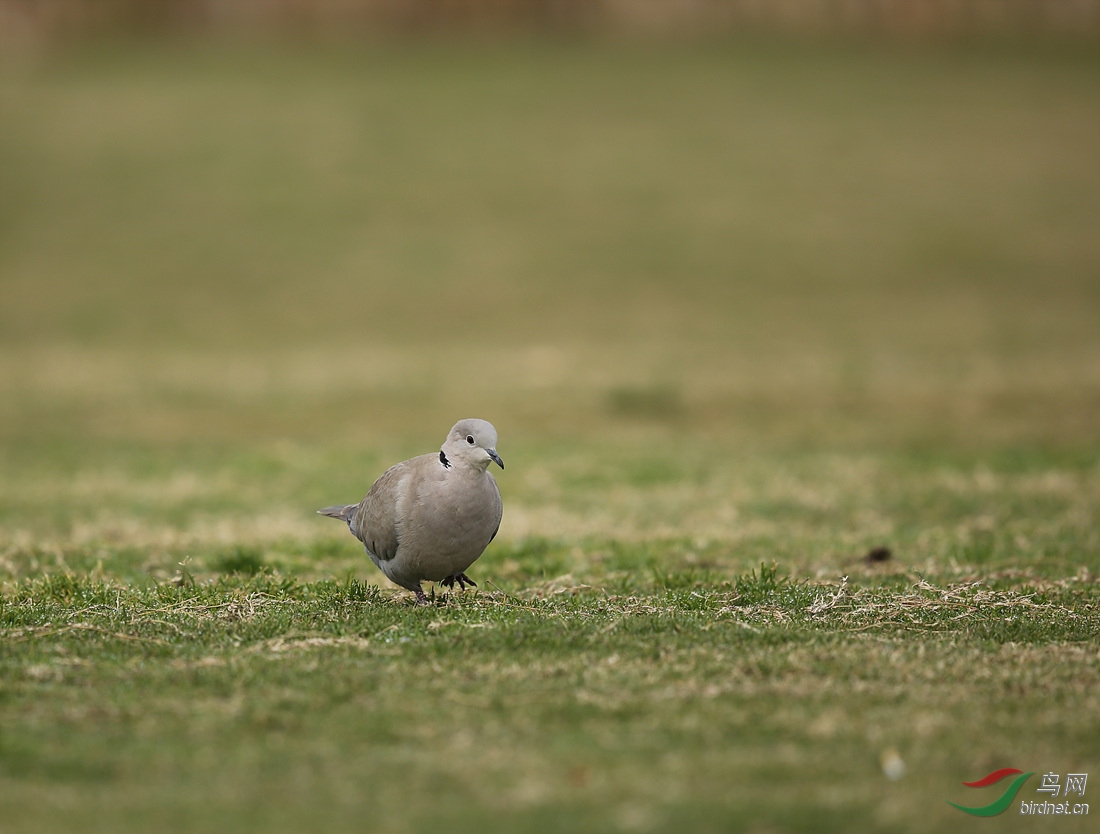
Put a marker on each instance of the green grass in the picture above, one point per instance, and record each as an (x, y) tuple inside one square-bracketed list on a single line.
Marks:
[(263, 701), (742, 314)]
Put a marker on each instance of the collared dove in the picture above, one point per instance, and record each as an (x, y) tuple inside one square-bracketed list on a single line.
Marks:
[(430, 518)]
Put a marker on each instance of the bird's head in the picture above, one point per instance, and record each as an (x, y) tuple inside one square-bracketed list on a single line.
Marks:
[(474, 442)]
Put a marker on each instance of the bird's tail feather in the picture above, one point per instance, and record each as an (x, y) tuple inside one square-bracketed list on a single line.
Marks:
[(340, 511)]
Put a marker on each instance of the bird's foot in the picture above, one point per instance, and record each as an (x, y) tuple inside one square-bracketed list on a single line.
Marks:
[(421, 599), (462, 579)]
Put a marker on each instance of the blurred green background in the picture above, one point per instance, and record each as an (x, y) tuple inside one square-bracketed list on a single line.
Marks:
[(735, 288), (212, 241), (228, 257), (706, 286)]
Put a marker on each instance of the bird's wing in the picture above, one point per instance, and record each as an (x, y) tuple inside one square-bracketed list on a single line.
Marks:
[(498, 505), (376, 521)]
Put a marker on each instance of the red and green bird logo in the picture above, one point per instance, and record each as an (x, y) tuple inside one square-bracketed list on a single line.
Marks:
[(998, 805)]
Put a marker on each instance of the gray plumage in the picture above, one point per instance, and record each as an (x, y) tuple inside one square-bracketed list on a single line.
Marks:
[(431, 517)]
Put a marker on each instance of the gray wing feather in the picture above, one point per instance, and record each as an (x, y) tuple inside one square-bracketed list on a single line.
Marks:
[(499, 508), (374, 522)]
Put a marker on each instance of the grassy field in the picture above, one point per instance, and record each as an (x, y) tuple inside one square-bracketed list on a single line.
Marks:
[(742, 313)]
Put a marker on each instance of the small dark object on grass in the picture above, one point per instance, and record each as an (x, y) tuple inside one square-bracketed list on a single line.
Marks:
[(878, 554)]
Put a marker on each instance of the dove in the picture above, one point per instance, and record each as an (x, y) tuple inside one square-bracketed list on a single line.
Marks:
[(429, 518)]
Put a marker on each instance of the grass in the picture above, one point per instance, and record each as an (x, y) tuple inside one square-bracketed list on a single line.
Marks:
[(795, 361), (269, 702)]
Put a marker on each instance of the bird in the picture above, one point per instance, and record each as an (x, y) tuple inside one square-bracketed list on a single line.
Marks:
[(429, 518)]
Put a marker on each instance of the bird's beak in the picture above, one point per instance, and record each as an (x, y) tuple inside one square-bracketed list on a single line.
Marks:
[(495, 457)]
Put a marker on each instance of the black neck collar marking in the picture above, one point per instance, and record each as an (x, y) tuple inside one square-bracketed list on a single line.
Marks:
[(443, 459)]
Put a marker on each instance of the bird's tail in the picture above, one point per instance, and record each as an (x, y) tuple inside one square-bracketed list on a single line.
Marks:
[(340, 511)]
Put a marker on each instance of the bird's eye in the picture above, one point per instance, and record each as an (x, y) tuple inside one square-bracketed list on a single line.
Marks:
[(470, 439)]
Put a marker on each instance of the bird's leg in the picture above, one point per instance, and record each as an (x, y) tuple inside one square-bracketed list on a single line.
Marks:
[(420, 598), (449, 582)]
